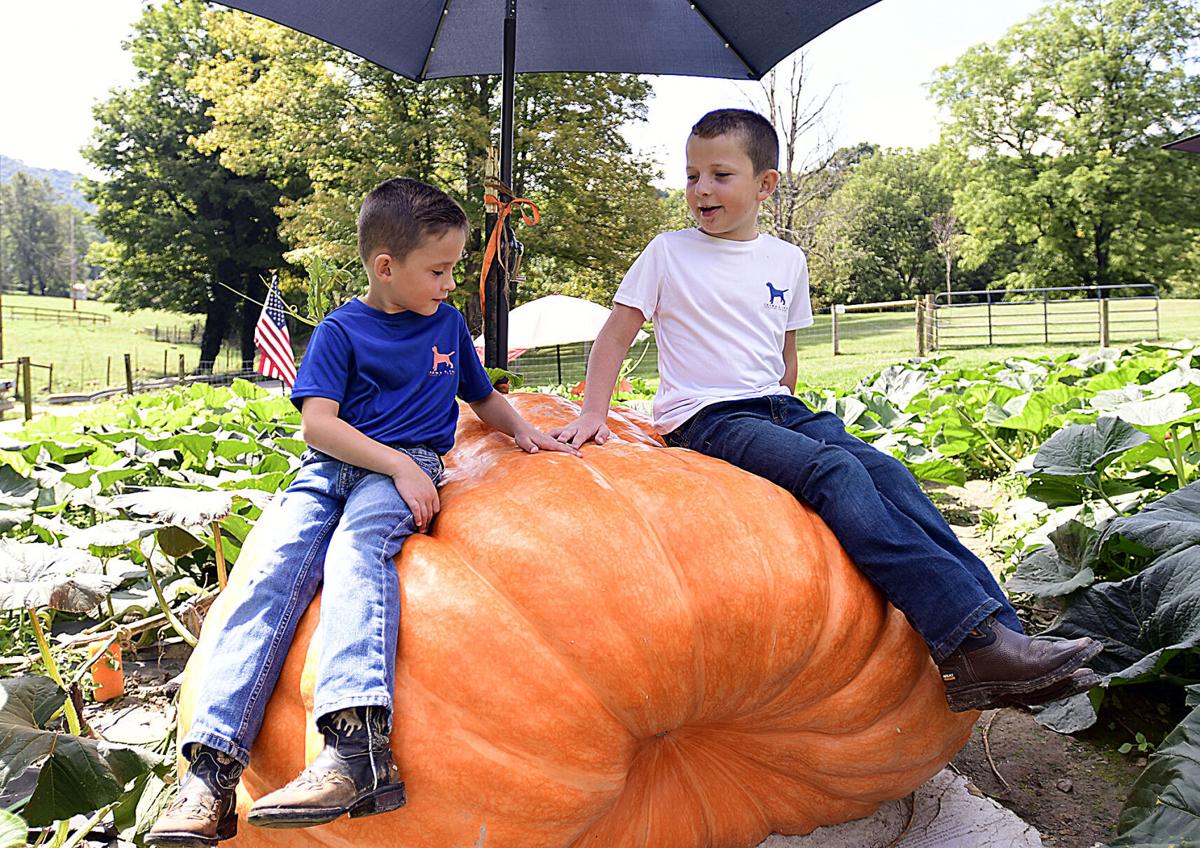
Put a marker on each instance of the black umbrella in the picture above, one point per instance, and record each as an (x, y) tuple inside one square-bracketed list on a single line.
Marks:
[(1189, 143), (432, 39)]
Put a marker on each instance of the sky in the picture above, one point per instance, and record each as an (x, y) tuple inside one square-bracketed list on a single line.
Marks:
[(58, 57)]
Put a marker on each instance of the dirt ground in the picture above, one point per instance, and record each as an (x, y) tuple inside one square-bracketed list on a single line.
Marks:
[(1071, 789)]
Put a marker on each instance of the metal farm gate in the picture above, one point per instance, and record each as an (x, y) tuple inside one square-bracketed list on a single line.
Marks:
[(1098, 314)]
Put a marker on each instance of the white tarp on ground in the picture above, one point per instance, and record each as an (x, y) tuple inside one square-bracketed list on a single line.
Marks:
[(553, 320), (944, 814)]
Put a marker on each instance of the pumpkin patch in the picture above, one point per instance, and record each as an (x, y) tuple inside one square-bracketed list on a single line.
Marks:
[(645, 647)]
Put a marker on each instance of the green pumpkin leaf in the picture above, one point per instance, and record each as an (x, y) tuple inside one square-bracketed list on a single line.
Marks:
[(13, 830), (75, 775), (34, 575), (179, 507), (1164, 804)]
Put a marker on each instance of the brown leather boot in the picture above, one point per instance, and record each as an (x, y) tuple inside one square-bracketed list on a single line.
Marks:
[(354, 773), (996, 667), (205, 810)]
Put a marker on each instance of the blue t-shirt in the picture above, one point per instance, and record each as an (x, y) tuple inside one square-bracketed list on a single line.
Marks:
[(395, 376)]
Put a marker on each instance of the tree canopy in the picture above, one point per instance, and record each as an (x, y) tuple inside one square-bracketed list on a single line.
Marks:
[(1058, 128), (293, 107), (187, 233)]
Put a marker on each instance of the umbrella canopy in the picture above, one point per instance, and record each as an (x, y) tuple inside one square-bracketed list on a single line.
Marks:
[(1191, 144), (426, 39), (431, 39), (554, 320)]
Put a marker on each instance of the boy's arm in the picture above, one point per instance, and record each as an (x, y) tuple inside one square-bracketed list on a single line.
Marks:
[(497, 413), (604, 364), (322, 430), (791, 368)]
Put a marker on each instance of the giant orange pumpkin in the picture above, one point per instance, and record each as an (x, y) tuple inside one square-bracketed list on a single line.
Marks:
[(644, 647)]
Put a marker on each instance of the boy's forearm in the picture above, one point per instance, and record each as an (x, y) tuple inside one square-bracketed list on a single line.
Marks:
[(497, 413), (604, 365), (343, 441)]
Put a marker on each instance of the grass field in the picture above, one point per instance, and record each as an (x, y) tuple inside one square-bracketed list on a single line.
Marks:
[(90, 356)]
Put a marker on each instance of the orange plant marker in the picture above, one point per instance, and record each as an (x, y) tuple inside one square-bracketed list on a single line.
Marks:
[(107, 673)]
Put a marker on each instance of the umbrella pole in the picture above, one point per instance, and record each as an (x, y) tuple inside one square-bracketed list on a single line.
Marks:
[(558, 361), (495, 318)]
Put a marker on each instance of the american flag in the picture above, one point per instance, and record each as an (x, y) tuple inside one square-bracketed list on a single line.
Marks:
[(271, 337)]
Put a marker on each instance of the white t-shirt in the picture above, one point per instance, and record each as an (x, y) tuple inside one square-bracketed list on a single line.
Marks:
[(720, 310)]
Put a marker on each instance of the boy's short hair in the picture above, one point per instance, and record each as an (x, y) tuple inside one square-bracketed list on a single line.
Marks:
[(756, 133), (400, 213)]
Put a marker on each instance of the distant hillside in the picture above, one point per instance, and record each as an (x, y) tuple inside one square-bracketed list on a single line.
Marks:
[(62, 181)]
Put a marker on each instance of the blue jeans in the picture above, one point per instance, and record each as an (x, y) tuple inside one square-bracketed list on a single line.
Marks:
[(337, 524), (871, 502)]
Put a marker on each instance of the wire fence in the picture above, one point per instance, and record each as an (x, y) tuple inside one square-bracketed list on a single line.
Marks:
[(567, 364)]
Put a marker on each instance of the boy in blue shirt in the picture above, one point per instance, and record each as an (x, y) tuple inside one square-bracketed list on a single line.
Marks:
[(726, 302), (377, 394)]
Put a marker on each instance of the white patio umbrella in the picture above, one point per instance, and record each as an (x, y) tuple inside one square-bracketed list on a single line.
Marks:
[(553, 321)]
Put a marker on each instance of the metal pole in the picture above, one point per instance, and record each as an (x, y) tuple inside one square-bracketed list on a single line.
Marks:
[(558, 362), (1046, 315), (495, 318)]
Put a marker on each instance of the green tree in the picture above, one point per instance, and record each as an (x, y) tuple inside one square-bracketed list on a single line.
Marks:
[(186, 232), (1058, 127), (33, 234), (877, 242), (294, 107)]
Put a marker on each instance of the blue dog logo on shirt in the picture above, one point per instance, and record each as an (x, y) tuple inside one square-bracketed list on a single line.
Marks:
[(777, 294)]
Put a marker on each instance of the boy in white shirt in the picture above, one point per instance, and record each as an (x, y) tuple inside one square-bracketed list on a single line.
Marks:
[(726, 302)]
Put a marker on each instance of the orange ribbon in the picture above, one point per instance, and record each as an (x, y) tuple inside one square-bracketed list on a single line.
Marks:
[(493, 245)]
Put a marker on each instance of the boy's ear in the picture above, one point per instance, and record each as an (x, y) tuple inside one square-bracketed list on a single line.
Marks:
[(767, 182), (381, 265)]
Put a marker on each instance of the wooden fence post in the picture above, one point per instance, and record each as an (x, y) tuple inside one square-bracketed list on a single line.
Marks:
[(930, 324), (833, 324), (182, 367), (165, 372), (27, 394), (108, 373), (1104, 337), (128, 374), (919, 313)]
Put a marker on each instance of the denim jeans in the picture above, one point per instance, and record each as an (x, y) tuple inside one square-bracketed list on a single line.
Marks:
[(340, 525), (890, 529)]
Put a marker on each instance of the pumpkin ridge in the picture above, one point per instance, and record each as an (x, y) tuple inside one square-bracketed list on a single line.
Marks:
[(686, 595), (600, 781), (720, 766), (836, 586), (552, 645)]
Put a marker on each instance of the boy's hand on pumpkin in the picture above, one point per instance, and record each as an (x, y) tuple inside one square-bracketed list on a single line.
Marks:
[(532, 440), (418, 492), (583, 428)]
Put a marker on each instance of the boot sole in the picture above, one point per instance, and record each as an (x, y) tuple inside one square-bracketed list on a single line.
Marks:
[(183, 839), (998, 694), (1081, 680), (382, 800)]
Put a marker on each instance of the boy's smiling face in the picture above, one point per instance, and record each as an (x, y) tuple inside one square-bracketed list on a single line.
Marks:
[(723, 192), (419, 282)]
